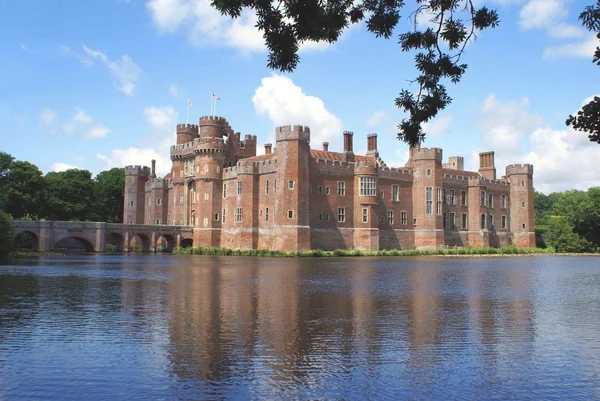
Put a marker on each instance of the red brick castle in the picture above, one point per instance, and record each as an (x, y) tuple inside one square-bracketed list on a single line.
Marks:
[(294, 197)]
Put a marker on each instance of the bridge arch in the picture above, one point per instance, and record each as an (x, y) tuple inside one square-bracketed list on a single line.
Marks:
[(187, 243), (139, 242), (165, 243), (114, 241), (26, 240), (74, 244)]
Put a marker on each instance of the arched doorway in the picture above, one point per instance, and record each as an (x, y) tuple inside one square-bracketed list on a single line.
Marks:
[(187, 243), (190, 201), (26, 241), (73, 245), (165, 243), (139, 243), (114, 243)]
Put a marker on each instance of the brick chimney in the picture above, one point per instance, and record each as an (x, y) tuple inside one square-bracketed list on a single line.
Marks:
[(348, 141), (372, 145), (326, 146), (487, 167), (153, 168), (268, 148)]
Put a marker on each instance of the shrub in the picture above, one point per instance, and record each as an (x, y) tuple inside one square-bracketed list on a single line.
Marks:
[(6, 234)]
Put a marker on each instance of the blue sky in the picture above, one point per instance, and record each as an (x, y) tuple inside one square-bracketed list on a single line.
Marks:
[(102, 83)]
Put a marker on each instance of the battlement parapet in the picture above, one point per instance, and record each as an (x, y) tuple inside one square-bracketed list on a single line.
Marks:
[(292, 133), (396, 173), (193, 128), (157, 183), (366, 168), (455, 178), (428, 154), (328, 166), (489, 184), (267, 166), (213, 120), (142, 171), (512, 169)]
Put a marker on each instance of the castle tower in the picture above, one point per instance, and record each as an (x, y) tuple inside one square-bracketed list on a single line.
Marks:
[(520, 177), (186, 133), (291, 204), (427, 197), (135, 190), (487, 167), (366, 206)]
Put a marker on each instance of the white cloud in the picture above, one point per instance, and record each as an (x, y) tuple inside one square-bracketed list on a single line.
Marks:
[(204, 26), (135, 156), (538, 14), (376, 118), (124, 70), (584, 48), (59, 166), (24, 48), (81, 117), (174, 90), (564, 30), (98, 131), (162, 121), (77, 158), (437, 126), (47, 116), (284, 103)]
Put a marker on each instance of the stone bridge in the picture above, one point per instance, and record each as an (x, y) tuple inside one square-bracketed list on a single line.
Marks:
[(94, 237)]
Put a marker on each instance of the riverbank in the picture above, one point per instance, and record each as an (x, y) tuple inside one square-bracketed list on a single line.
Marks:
[(464, 251)]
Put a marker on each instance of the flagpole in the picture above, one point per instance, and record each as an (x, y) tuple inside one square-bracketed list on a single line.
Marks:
[(187, 119), (215, 106), (211, 104)]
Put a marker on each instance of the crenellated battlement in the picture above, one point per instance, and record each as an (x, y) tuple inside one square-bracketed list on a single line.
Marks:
[(396, 173), (329, 166), (512, 169), (187, 128), (428, 154), (292, 133), (143, 171), (481, 181), (211, 120), (366, 168)]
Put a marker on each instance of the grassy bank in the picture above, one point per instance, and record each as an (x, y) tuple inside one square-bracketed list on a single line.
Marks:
[(466, 251), (32, 254)]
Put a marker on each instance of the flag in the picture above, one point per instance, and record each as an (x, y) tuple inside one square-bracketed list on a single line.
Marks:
[(215, 96), (190, 102)]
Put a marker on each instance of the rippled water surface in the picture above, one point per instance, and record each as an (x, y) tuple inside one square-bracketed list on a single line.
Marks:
[(196, 327)]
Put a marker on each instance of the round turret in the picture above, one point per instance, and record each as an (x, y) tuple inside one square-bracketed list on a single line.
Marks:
[(212, 127), (186, 133)]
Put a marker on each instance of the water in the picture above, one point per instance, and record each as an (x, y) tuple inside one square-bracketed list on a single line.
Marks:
[(196, 327)]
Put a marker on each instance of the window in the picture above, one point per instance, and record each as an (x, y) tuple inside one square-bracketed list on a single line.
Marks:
[(267, 187), (206, 168), (523, 204), (390, 216), (438, 203), (275, 185), (444, 220), (181, 199), (428, 171), (157, 221), (267, 214), (368, 186), (341, 186), (206, 196), (224, 191), (158, 201), (490, 222), (131, 203), (444, 196), (290, 214), (181, 173), (490, 200), (523, 226), (130, 221), (320, 216), (238, 214), (428, 200), (180, 222), (464, 221), (404, 218), (326, 216), (522, 183), (290, 184), (216, 216), (451, 222), (482, 198), (451, 197), (327, 191), (218, 169), (174, 222), (415, 222), (381, 194), (223, 216), (205, 222), (261, 213), (463, 198), (341, 214), (193, 196), (482, 221), (365, 215), (239, 187), (320, 189), (503, 201), (395, 195), (503, 222)]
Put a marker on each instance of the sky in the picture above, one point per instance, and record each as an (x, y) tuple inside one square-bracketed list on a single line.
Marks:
[(98, 84)]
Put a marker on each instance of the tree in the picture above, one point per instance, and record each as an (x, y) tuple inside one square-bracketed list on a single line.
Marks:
[(69, 194), (110, 195), (6, 234), (578, 208), (588, 118), (288, 23), (5, 161), (563, 238), (24, 190)]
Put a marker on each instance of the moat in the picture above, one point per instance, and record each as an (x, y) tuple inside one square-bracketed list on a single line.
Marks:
[(198, 327)]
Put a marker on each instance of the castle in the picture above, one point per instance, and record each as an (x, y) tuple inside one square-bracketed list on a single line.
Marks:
[(294, 197)]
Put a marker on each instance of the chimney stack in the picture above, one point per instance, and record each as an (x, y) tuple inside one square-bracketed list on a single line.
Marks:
[(372, 145), (153, 168), (348, 141), (326, 146), (268, 148), (487, 166)]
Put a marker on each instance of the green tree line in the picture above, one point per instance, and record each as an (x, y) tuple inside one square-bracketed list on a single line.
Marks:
[(73, 195)]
